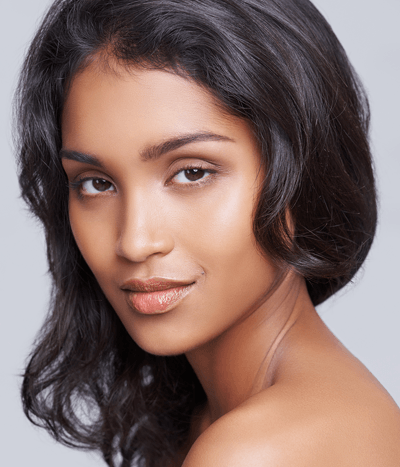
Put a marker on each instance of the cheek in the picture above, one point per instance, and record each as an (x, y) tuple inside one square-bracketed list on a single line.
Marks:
[(94, 235), (221, 231), (236, 273)]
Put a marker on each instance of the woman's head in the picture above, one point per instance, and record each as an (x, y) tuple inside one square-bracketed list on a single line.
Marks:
[(163, 185), (275, 64), (277, 68)]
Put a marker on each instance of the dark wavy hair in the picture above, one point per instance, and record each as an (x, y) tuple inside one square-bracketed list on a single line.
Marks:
[(275, 63)]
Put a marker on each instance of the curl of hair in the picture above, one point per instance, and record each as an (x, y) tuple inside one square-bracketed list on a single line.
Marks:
[(275, 63)]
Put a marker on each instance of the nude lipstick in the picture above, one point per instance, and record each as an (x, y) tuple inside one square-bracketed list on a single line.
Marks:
[(156, 295)]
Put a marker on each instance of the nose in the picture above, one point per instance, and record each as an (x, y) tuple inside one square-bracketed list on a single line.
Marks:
[(143, 232)]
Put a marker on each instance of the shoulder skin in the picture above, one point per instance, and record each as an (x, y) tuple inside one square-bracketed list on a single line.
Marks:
[(269, 431)]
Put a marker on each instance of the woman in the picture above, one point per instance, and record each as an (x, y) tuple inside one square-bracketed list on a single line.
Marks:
[(203, 174)]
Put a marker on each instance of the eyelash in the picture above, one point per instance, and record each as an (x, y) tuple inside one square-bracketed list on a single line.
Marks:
[(77, 185), (203, 181)]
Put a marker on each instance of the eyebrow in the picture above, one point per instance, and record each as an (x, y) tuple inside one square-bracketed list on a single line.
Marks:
[(80, 157), (151, 152), (156, 151)]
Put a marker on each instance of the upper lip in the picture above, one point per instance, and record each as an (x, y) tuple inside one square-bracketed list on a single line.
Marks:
[(154, 284)]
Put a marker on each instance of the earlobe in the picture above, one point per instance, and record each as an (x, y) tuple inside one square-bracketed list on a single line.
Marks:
[(289, 231)]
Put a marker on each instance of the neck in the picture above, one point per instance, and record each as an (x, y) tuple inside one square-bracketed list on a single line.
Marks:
[(239, 363)]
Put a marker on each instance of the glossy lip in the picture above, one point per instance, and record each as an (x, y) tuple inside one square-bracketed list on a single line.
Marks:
[(153, 284), (156, 295)]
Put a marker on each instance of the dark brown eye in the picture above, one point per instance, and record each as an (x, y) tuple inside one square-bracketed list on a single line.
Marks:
[(194, 174), (93, 186), (100, 184)]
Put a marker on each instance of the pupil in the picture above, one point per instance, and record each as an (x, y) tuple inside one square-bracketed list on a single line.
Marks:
[(194, 174), (100, 184)]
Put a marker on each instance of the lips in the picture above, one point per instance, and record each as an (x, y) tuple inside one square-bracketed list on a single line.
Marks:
[(156, 295)]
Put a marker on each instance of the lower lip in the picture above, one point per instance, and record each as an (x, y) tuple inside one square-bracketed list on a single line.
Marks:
[(150, 303)]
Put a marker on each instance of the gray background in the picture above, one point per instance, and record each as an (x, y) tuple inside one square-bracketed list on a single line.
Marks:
[(365, 317)]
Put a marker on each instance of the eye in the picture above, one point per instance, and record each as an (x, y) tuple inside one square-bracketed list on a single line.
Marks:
[(191, 174), (93, 186)]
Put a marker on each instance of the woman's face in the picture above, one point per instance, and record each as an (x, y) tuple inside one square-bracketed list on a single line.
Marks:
[(163, 185)]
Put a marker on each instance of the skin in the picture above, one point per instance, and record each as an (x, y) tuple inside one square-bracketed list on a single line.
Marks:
[(281, 389)]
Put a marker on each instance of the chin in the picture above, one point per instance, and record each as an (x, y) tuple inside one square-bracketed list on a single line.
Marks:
[(163, 349), (164, 344)]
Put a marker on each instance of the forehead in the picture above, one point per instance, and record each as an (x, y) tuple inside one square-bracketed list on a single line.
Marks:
[(140, 105)]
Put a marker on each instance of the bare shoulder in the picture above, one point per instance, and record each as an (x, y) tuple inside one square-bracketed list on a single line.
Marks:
[(323, 408), (279, 427)]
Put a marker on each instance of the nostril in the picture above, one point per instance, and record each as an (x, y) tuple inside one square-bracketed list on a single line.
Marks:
[(139, 247)]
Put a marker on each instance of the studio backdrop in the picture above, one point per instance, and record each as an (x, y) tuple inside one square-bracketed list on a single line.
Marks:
[(365, 316)]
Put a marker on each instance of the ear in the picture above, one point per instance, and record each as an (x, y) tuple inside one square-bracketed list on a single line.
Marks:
[(288, 228)]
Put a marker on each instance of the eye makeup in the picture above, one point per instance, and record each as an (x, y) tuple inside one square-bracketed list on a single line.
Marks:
[(193, 175)]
